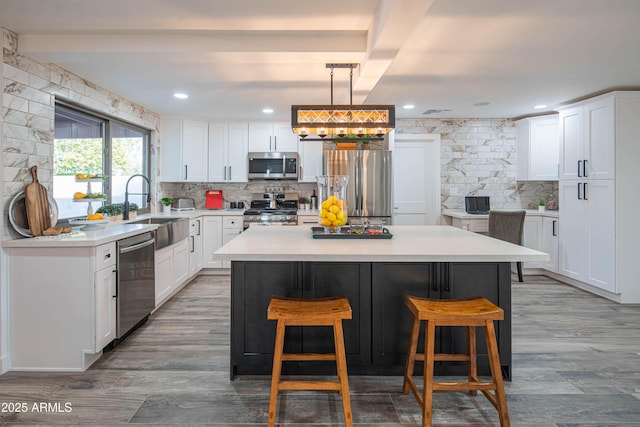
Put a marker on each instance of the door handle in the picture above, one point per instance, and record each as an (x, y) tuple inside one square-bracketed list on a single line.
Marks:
[(579, 166), (185, 171), (579, 193), (553, 228), (584, 168), (584, 191)]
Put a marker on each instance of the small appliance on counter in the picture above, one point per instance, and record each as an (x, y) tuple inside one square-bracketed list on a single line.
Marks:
[(213, 199), (183, 204)]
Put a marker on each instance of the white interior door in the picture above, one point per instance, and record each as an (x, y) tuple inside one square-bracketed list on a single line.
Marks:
[(416, 179)]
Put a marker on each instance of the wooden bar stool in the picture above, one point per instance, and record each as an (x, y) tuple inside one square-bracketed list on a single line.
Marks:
[(309, 312), (469, 312)]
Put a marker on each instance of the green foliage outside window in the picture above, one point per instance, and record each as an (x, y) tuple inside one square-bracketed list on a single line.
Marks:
[(73, 156)]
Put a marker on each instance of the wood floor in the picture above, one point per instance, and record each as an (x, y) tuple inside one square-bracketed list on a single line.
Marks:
[(576, 363)]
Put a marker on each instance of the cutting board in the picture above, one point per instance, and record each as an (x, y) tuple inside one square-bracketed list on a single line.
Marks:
[(37, 205)]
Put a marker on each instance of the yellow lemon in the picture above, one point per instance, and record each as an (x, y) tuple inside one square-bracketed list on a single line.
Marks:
[(325, 222), (331, 216), (341, 214), (89, 175), (334, 209), (325, 204), (80, 176), (78, 195), (323, 213)]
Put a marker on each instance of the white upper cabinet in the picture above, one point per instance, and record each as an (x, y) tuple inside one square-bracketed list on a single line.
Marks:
[(266, 136), (310, 153), (184, 146), (228, 148), (538, 150), (587, 140)]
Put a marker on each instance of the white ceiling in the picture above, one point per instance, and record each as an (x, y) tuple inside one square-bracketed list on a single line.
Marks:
[(235, 58)]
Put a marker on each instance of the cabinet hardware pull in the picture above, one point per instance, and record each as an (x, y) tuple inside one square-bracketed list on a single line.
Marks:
[(579, 188), (584, 168), (193, 244), (579, 166), (224, 173), (185, 171), (553, 228), (229, 173), (275, 143), (584, 191)]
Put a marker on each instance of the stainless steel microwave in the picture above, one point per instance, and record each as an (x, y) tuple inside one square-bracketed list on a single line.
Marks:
[(273, 165)]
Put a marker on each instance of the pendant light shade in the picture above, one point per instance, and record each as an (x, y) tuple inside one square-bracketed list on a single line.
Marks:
[(337, 122)]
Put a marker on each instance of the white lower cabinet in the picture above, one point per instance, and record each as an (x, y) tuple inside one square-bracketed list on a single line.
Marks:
[(217, 231), (231, 228), (180, 263), (308, 219), (164, 274), (105, 306), (195, 246), (172, 269), (550, 232), (587, 242), (63, 311), (532, 238), (211, 240)]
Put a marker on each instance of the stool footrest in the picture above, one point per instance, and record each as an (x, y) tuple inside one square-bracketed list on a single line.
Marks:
[(308, 356), (463, 385), (443, 357), (309, 385)]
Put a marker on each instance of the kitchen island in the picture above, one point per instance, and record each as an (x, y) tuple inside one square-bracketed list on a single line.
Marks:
[(428, 261)]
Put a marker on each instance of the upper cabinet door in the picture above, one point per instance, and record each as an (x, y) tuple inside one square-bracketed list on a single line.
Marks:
[(228, 146), (195, 148), (587, 140), (285, 139), (260, 137), (184, 146), (600, 139), (266, 137), (538, 150), (236, 152), (571, 131)]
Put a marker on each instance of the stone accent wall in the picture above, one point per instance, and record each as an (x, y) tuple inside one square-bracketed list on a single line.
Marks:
[(29, 92), (478, 158)]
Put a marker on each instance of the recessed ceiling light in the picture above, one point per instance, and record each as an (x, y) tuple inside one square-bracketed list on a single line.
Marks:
[(408, 106), (481, 104), (180, 95), (540, 106), (267, 110)]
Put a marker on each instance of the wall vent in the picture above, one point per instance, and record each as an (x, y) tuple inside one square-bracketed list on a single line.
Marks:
[(433, 111)]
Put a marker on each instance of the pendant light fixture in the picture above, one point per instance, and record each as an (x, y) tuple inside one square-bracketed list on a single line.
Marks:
[(342, 122)]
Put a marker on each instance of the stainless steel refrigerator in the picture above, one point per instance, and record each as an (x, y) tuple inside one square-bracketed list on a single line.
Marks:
[(370, 181)]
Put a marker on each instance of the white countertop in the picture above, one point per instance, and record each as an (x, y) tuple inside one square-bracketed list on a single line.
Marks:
[(109, 232), (409, 244), (461, 214)]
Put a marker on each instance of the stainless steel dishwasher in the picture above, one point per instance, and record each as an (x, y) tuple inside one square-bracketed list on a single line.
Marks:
[(135, 282)]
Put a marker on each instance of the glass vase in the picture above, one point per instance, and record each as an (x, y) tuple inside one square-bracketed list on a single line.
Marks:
[(332, 202)]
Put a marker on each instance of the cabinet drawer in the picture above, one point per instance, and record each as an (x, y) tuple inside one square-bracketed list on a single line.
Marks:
[(232, 222), (105, 256), (479, 225)]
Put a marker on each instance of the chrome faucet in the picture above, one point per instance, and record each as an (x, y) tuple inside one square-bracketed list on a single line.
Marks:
[(126, 194)]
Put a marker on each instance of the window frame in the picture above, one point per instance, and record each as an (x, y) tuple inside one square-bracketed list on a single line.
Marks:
[(109, 122)]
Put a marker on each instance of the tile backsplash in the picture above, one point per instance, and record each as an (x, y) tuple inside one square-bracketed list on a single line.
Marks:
[(478, 158)]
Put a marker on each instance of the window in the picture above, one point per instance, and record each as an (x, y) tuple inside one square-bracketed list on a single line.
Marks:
[(89, 144)]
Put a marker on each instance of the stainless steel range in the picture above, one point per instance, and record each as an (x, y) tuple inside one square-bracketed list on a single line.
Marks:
[(272, 209)]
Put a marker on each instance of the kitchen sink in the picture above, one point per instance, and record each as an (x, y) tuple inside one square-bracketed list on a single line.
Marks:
[(170, 230)]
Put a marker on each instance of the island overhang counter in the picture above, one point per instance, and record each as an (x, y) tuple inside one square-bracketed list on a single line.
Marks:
[(375, 274)]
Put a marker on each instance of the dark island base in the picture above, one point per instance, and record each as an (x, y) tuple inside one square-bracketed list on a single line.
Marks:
[(377, 337)]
